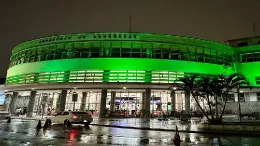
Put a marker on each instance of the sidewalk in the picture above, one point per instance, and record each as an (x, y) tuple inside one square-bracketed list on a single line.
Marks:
[(147, 123), (33, 118)]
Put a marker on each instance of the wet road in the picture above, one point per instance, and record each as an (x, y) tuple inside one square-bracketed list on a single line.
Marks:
[(24, 133)]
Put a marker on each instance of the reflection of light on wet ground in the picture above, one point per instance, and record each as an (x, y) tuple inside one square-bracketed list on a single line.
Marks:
[(79, 135)]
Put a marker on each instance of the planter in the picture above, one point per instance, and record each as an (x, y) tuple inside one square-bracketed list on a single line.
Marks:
[(231, 127)]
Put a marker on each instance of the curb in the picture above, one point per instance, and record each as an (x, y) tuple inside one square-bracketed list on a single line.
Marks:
[(26, 119), (185, 131)]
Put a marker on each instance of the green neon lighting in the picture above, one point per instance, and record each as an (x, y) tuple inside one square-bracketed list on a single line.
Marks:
[(250, 70), (120, 69), (73, 57)]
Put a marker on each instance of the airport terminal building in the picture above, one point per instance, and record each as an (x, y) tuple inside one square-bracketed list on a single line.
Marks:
[(122, 72)]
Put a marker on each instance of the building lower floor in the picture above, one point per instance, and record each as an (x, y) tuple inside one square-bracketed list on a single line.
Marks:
[(128, 102)]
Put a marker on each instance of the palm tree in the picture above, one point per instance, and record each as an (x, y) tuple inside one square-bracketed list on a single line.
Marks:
[(236, 81), (208, 86), (189, 84)]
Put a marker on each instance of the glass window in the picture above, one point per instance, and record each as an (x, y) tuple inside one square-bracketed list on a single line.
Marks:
[(126, 52), (243, 58), (258, 96), (175, 55), (165, 54), (256, 57), (50, 55), (231, 98), (58, 113), (115, 52), (157, 53), (85, 53), (65, 113), (200, 57), (242, 44), (95, 52), (241, 97), (249, 58), (136, 53)]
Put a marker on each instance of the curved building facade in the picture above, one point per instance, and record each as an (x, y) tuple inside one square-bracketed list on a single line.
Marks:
[(116, 57), (118, 71)]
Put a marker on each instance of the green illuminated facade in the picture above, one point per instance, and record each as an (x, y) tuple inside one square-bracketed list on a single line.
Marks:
[(118, 57), (247, 54), (126, 71)]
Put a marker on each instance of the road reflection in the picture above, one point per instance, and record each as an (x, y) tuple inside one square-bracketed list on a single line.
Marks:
[(26, 133)]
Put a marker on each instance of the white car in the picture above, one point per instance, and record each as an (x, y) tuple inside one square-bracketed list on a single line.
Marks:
[(71, 117)]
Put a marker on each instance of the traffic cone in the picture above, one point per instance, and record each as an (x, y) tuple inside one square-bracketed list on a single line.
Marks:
[(9, 120), (39, 125), (177, 139)]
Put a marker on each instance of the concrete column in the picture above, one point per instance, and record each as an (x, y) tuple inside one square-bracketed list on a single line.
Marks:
[(143, 101), (63, 98), (112, 101), (187, 102), (13, 102), (31, 104), (147, 103), (102, 110), (58, 103), (83, 101), (195, 105), (74, 100), (173, 101)]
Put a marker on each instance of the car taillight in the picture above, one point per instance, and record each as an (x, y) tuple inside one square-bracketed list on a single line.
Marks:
[(74, 117)]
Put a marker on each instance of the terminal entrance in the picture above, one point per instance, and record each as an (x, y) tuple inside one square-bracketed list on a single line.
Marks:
[(121, 102)]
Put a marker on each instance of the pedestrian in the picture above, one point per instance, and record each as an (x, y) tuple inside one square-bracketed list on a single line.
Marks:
[(39, 125), (177, 139)]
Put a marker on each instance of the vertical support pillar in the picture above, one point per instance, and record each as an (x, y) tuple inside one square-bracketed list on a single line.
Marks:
[(106, 74), (74, 100), (58, 103), (36, 78), (147, 103), (148, 76), (31, 104), (143, 101), (13, 102), (187, 102), (102, 110), (195, 105), (173, 101), (66, 76), (63, 97), (83, 101), (112, 102)]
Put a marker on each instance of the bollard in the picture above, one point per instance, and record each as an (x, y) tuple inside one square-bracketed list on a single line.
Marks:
[(39, 125), (9, 120), (177, 139)]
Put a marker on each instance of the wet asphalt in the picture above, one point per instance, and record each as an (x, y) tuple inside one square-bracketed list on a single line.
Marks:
[(24, 133)]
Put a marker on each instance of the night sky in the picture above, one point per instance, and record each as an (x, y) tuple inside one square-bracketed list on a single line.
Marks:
[(216, 20)]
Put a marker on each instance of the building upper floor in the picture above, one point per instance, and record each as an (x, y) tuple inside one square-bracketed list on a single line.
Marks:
[(246, 49), (122, 45)]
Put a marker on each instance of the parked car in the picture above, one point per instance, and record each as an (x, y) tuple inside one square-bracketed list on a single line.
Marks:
[(72, 117)]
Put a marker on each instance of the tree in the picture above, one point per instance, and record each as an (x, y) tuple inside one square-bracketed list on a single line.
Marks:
[(208, 87), (236, 81), (189, 84)]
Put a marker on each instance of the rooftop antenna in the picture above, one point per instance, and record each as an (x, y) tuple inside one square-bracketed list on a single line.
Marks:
[(254, 29), (130, 23)]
